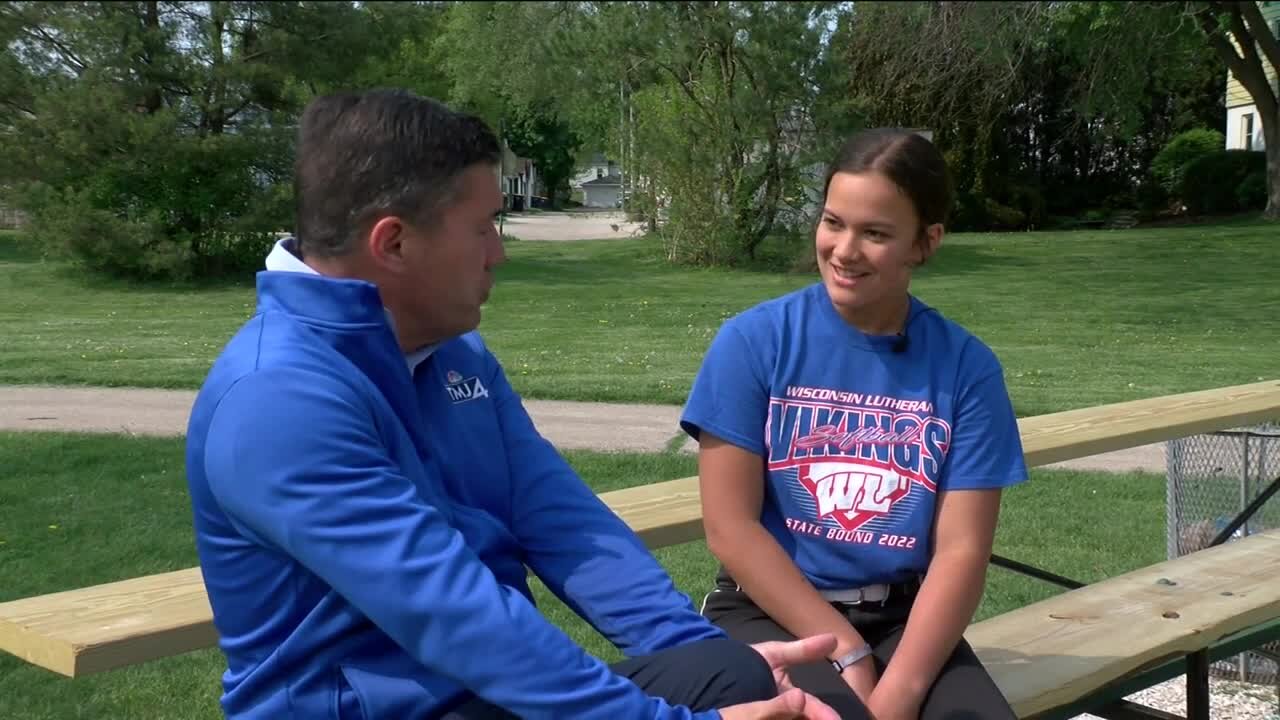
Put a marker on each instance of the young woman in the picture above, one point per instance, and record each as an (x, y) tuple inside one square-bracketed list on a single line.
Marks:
[(853, 448)]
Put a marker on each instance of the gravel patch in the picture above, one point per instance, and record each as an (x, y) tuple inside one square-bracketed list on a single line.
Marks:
[(1228, 700)]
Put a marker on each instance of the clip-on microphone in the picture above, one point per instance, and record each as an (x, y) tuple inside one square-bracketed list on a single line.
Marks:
[(900, 345)]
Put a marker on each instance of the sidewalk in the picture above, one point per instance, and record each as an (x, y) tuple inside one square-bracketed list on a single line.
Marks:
[(134, 411), (568, 425)]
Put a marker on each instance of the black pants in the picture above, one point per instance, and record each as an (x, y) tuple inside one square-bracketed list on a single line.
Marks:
[(701, 676), (963, 690)]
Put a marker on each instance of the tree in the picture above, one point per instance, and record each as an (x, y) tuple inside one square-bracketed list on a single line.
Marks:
[(724, 95), (711, 104), (1126, 79), (154, 139), (1140, 35), (500, 66), (960, 77), (1239, 34), (1042, 109)]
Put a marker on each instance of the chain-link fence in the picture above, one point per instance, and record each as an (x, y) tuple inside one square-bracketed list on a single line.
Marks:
[(1211, 478)]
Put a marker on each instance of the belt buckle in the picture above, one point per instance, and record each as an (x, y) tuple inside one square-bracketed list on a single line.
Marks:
[(861, 597), (862, 594)]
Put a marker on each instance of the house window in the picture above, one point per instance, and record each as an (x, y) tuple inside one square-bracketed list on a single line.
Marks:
[(599, 173), (1246, 130)]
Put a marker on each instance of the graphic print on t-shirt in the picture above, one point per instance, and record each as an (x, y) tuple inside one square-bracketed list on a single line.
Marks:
[(856, 465)]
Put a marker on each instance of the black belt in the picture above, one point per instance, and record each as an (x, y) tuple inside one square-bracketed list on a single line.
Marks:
[(897, 590)]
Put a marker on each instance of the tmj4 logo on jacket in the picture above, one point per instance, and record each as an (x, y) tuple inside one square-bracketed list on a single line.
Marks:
[(855, 455), (462, 389)]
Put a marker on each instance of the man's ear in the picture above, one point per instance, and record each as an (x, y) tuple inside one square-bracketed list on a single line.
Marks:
[(386, 242)]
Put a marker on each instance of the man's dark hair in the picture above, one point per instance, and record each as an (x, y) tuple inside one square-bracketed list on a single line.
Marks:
[(363, 156)]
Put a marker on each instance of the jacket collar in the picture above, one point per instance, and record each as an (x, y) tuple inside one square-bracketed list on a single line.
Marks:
[(341, 300)]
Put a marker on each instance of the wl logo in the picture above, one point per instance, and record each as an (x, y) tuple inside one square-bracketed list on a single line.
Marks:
[(853, 493), (463, 389)]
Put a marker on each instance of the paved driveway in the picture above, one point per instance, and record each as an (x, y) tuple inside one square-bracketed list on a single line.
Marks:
[(578, 225)]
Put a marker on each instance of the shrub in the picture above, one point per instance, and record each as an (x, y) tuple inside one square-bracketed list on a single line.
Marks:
[(1170, 163), (1030, 202), (1210, 182), (1003, 217), (143, 196), (969, 213), (1251, 193), (1152, 200)]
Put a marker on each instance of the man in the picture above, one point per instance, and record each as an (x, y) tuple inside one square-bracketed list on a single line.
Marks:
[(368, 490)]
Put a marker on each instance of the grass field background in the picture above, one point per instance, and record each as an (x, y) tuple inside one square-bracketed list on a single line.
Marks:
[(1077, 318)]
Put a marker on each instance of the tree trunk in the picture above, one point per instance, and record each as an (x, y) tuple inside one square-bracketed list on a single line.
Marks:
[(1271, 136), (152, 100), (215, 108)]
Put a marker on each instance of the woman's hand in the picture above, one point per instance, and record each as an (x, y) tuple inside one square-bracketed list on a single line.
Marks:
[(862, 677)]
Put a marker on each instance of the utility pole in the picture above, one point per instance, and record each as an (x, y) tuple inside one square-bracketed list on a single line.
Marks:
[(631, 149), (622, 143)]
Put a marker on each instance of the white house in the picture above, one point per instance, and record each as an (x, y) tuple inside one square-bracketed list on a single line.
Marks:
[(599, 181), (597, 167), (603, 192), (518, 179), (11, 218)]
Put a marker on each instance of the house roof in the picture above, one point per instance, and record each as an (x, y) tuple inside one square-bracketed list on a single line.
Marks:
[(606, 181)]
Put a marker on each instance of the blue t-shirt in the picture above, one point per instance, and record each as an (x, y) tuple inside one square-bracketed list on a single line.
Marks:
[(859, 433)]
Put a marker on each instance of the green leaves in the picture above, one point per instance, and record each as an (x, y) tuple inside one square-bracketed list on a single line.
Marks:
[(153, 139)]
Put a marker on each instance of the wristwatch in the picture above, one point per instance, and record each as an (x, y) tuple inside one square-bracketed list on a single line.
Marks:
[(843, 662)]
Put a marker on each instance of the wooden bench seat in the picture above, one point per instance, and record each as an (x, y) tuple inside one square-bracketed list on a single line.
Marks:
[(89, 630), (1053, 653)]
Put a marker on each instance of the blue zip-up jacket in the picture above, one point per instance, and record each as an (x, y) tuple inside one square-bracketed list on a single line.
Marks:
[(364, 531)]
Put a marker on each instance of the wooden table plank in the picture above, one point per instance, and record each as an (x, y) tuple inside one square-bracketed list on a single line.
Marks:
[(669, 513), (1083, 639), (1163, 671), (663, 514), (80, 632), (94, 629), (1089, 431)]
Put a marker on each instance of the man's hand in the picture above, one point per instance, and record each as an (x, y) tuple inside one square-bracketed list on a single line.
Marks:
[(791, 701), (781, 655)]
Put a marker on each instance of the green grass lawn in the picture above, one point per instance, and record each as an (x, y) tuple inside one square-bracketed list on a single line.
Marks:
[(1078, 318), (80, 509)]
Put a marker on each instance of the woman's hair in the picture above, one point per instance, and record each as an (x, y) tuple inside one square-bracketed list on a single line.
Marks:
[(913, 163)]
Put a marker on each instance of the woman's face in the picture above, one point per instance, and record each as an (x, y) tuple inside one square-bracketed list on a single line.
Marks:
[(868, 241)]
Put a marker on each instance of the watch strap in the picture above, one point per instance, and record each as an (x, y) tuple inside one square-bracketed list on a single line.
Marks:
[(853, 656)]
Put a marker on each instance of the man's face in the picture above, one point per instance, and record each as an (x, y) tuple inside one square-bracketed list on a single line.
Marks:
[(446, 271)]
